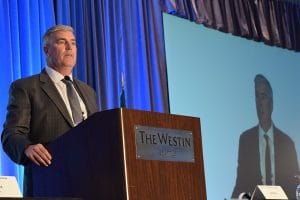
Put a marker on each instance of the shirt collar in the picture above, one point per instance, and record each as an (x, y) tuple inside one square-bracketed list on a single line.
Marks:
[(55, 76), (270, 132)]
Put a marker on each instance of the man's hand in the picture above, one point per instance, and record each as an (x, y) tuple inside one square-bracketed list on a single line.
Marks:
[(38, 154)]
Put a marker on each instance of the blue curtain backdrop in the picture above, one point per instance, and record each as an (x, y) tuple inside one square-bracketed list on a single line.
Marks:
[(116, 37), (21, 26), (113, 37)]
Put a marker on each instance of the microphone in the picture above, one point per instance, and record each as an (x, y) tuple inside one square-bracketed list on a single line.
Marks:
[(244, 195), (122, 96)]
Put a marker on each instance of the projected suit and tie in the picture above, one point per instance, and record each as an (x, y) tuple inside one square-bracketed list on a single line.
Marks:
[(267, 155)]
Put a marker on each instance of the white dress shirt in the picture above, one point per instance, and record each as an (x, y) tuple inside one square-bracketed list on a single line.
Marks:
[(262, 153), (56, 77)]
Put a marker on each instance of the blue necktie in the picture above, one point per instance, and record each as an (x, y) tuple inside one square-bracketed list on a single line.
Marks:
[(73, 100)]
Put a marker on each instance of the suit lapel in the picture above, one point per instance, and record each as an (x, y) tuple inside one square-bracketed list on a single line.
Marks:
[(83, 95), (278, 152), (50, 89), (256, 156)]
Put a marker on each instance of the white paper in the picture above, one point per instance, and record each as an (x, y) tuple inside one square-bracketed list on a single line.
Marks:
[(269, 192), (9, 187)]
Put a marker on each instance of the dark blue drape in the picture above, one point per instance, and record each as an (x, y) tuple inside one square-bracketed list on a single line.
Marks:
[(114, 37), (21, 26), (274, 22)]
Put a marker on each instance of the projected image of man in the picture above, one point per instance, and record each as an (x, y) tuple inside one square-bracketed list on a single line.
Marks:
[(267, 156)]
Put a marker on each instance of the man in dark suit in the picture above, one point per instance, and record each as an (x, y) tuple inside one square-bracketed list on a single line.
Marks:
[(252, 167), (39, 109)]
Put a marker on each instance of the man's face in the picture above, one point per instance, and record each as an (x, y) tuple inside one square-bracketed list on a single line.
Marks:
[(264, 103), (61, 50)]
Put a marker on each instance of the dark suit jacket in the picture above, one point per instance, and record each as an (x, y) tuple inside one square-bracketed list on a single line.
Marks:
[(36, 113), (248, 170)]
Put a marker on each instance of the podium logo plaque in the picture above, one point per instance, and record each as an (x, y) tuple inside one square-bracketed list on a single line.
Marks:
[(164, 144)]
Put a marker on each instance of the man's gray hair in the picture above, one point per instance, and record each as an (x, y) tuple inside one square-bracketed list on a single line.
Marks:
[(53, 29), (260, 79)]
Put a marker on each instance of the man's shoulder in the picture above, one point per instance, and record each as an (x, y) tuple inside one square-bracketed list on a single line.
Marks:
[(281, 135), (250, 133), (279, 131), (26, 81), (77, 81), (252, 130), (82, 84)]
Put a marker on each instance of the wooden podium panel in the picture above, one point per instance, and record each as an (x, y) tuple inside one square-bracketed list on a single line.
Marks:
[(152, 179), (98, 160)]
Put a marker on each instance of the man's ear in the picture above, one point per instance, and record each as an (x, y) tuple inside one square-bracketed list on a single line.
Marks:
[(46, 50)]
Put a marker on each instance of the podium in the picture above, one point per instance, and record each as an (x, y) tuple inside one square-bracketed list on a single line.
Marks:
[(126, 154)]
